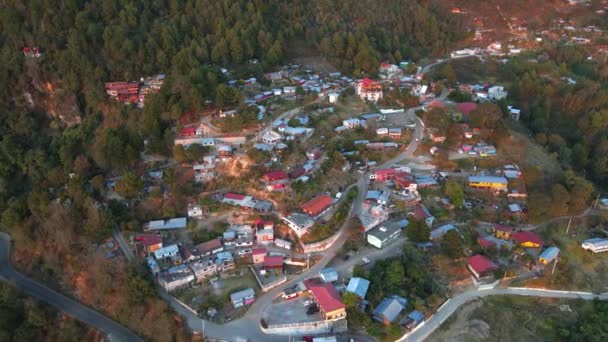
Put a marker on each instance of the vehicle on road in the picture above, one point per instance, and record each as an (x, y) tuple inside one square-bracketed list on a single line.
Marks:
[(307, 303), (366, 260)]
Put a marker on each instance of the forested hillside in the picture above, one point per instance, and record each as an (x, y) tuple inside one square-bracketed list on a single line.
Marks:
[(24, 319)]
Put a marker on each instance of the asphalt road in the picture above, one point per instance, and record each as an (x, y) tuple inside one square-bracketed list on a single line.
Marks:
[(425, 330), (115, 331)]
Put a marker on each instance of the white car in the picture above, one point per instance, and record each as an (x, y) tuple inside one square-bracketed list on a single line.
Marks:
[(307, 303), (366, 260)]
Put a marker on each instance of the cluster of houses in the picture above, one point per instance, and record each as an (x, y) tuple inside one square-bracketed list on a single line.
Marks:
[(325, 293), (494, 49), (31, 52), (134, 92), (246, 202), (176, 266), (301, 222), (502, 236)]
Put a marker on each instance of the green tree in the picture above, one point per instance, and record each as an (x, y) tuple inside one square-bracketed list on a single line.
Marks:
[(451, 244), (448, 73), (455, 193), (418, 231), (179, 153), (129, 185)]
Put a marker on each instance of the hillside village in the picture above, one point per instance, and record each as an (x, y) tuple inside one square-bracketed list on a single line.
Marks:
[(339, 206), (267, 212)]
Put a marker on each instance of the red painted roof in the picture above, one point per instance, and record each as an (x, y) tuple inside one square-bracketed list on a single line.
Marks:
[(209, 246), (148, 240), (317, 205), (485, 243), (257, 251), (466, 107), (385, 172), (522, 237), (275, 176), (232, 196), (273, 261), (421, 213), (481, 264), (188, 131), (326, 295)]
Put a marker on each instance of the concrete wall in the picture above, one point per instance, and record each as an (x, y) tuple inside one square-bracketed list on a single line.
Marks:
[(318, 327), (321, 245)]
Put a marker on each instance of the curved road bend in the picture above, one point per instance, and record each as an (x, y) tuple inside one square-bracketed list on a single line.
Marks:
[(115, 331), (425, 330)]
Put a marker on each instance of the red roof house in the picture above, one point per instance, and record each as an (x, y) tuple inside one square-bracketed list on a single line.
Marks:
[(527, 239), (258, 255), (274, 176), (317, 205), (273, 262), (150, 242), (188, 132), (480, 265), (383, 175), (484, 243), (328, 298)]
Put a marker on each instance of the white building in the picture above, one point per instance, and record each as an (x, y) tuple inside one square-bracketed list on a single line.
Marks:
[(195, 211), (166, 252), (496, 93), (333, 97), (300, 223)]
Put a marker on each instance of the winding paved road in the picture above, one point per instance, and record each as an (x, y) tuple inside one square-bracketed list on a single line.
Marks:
[(425, 330), (115, 331)]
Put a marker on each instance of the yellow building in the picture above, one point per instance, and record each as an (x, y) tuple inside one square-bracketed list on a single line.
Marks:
[(488, 182), (502, 232), (527, 239)]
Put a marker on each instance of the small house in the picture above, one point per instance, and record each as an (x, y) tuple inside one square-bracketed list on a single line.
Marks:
[(317, 205), (389, 309), (527, 239), (195, 211), (273, 262), (358, 286), (150, 242), (548, 255), (328, 275), (596, 245), (382, 236), (210, 247), (258, 255), (441, 231), (480, 266), (242, 298)]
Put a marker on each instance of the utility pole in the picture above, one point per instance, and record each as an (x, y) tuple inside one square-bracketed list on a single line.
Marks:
[(597, 199), (554, 265), (568, 228)]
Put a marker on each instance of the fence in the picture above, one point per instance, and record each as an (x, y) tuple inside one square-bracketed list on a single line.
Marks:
[(317, 327)]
